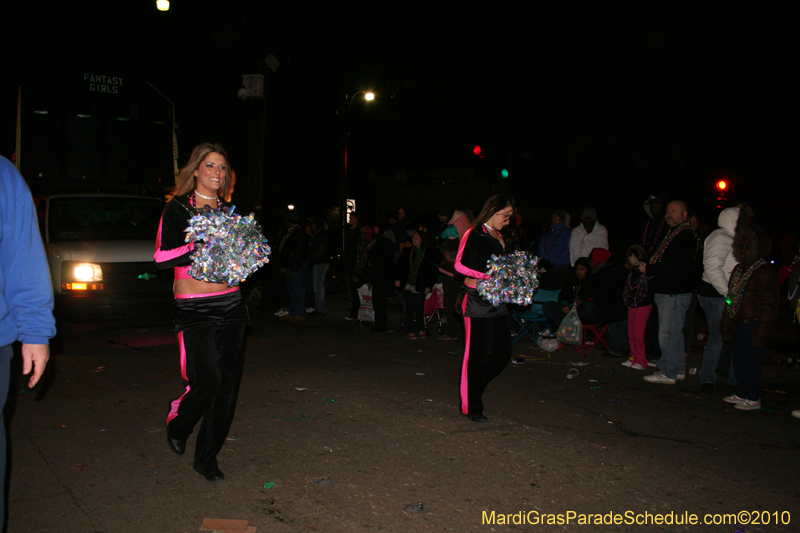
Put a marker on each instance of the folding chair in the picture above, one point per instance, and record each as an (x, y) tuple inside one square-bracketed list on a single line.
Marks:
[(528, 319), (588, 344)]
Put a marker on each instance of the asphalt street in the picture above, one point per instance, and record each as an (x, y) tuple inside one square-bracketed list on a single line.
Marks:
[(338, 429)]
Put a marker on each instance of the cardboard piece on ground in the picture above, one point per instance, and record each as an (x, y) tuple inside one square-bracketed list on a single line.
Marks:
[(217, 525)]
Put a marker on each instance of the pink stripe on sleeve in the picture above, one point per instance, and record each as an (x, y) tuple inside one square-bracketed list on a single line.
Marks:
[(460, 266), (162, 256)]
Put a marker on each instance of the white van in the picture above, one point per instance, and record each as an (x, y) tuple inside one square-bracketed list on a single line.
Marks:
[(100, 252)]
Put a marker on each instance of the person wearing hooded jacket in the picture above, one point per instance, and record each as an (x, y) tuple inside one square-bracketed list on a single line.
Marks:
[(753, 293), (293, 260), (319, 261), (610, 278), (718, 263), (587, 236)]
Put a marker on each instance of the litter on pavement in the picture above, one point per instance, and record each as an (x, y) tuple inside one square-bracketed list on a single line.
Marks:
[(217, 525)]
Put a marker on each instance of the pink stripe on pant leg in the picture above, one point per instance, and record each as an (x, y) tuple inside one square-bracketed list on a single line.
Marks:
[(173, 412), (465, 364)]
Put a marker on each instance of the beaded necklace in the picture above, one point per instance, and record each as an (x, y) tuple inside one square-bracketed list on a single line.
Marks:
[(658, 233), (737, 285), (414, 260), (634, 293), (794, 266), (287, 235), (206, 197), (193, 203), (361, 254), (662, 248)]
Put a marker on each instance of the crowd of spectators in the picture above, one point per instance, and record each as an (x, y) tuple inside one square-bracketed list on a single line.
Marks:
[(647, 296)]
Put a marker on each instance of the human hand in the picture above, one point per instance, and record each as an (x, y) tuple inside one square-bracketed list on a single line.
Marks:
[(34, 357)]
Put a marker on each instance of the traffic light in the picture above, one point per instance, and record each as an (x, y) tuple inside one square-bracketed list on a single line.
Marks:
[(504, 173), (477, 151), (722, 188)]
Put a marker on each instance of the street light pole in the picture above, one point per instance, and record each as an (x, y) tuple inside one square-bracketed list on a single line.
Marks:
[(345, 116)]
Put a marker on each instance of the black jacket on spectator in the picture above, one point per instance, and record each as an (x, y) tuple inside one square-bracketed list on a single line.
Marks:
[(428, 269), (675, 273), (294, 251), (380, 269), (573, 289), (610, 282), (320, 248)]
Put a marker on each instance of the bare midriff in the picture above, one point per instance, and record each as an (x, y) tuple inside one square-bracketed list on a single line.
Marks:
[(471, 282), (194, 286)]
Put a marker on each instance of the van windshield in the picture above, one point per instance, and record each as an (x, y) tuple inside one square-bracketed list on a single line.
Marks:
[(103, 218)]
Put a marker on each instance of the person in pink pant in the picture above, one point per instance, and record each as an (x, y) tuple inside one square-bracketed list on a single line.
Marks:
[(639, 301)]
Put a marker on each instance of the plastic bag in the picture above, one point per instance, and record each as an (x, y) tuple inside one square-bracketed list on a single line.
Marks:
[(365, 311), (570, 331), (548, 343)]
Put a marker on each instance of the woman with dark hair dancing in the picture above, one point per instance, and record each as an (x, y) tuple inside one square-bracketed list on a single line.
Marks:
[(488, 332), (210, 318)]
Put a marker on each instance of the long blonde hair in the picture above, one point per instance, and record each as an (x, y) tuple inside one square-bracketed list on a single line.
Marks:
[(186, 180)]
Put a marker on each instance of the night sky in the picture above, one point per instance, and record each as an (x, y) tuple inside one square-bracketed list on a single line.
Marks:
[(602, 106)]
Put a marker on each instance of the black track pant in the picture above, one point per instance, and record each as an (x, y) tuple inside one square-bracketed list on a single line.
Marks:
[(487, 353), (211, 339)]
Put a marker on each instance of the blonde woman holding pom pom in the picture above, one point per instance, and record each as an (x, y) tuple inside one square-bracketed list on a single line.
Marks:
[(210, 318)]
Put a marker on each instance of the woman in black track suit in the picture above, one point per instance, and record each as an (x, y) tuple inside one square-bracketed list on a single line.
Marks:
[(210, 318), (487, 328)]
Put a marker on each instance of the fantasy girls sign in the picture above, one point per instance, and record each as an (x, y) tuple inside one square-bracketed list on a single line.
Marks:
[(99, 83)]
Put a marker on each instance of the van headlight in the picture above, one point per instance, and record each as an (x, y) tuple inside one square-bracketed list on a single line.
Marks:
[(77, 276)]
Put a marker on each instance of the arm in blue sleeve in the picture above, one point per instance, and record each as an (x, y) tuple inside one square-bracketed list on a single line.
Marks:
[(27, 293)]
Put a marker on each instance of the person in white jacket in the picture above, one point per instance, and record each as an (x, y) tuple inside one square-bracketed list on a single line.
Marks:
[(718, 262), (587, 236)]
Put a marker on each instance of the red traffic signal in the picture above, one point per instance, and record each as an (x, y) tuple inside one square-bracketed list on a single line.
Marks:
[(477, 150), (722, 185)]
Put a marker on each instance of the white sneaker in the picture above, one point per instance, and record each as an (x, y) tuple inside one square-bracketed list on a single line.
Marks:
[(680, 377), (637, 366), (658, 377), (652, 364), (732, 399), (628, 363), (796, 414), (282, 312), (309, 310), (748, 405)]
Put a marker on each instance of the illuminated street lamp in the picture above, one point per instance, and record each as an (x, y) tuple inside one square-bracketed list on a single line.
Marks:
[(369, 96), (162, 5)]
